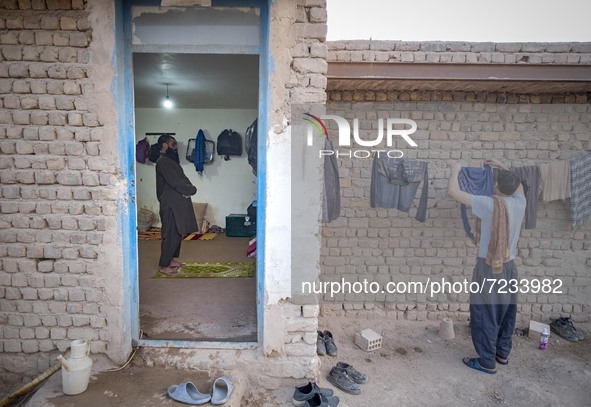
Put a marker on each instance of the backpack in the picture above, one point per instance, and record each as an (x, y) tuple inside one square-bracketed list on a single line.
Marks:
[(154, 153), (142, 151), (229, 143)]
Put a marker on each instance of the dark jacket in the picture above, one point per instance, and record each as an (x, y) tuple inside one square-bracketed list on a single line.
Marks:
[(171, 185)]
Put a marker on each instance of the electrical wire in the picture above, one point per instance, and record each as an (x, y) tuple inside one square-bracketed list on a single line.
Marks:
[(128, 359)]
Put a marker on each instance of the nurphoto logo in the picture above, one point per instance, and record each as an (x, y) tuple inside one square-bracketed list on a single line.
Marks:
[(317, 123)]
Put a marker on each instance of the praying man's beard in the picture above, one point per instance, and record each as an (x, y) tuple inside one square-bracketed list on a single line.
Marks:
[(173, 155)]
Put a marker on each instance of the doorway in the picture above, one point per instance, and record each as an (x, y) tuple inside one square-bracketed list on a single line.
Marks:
[(206, 61)]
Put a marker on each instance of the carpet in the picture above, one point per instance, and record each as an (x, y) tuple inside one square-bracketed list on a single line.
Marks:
[(154, 234), (213, 270), (200, 236), (208, 236), (193, 236)]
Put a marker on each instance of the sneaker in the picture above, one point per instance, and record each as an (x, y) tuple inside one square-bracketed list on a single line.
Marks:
[(341, 379), (331, 348), (305, 393), (562, 328), (580, 335), (320, 400), (320, 344), (355, 375)]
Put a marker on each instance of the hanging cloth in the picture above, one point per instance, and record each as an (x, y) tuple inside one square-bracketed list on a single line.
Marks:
[(395, 182), (530, 179), (555, 180), (199, 155), (142, 151), (331, 198), (580, 200), (475, 181)]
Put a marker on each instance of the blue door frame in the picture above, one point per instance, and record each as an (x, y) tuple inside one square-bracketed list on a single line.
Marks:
[(122, 88)]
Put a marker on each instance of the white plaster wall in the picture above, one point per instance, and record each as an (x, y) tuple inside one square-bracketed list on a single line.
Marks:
[(227, 186)]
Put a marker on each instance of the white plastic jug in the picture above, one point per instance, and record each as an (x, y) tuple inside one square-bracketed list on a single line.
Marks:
[(76, 369)]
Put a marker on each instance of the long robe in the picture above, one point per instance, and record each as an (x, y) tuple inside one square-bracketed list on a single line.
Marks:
[(176, 211)]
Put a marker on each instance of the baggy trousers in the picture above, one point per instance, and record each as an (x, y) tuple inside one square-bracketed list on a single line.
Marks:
[(170, 246), (493, 311)]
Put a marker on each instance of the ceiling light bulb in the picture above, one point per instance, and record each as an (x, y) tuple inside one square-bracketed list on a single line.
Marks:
[(167, 102)]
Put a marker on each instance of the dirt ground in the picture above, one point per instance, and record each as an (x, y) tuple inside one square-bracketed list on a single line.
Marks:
[(414, 367)]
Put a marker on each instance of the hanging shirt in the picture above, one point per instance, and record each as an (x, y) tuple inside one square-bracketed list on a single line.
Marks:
[(475, 181), (395, 181), (199, 154), (580, 201), (555, 180), (530, 179)]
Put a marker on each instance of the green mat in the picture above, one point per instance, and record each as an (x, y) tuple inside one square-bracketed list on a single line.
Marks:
[(213, 270)]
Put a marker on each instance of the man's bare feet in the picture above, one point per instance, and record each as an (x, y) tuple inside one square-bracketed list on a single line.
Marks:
[(176, 264), (169, 271)]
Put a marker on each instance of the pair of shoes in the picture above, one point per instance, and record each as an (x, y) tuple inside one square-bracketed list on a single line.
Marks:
[(357, 376), (501, 361), (320, 400), (312, 395), (346, 378), (325, 344), (564, 327), (222, 389), (189, 394), (473, 364), (579, 334)]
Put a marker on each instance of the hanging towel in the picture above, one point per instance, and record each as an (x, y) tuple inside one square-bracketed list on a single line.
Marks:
[(331, 198), (475, 181), (395, 181), (555, 180), (498, 246), (530, 179), (580, 201), (199, 155)]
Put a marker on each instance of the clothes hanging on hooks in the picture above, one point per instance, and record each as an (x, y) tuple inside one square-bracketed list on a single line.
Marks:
[(199, 154)]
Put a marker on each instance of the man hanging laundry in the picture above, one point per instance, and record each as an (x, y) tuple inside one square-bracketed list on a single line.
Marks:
[(493, 314)]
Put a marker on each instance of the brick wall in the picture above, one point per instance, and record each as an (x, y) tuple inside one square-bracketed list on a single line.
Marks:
[(57, 196), (460, 52), (388, 245)]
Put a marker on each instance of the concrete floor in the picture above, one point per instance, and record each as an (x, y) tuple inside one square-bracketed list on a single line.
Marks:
[(201, 309), (413, 368)]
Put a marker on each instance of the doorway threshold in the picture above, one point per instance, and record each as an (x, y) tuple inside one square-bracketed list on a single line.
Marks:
[(170, 343)]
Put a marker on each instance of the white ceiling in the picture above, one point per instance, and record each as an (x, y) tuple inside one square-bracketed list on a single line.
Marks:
[(207, 55), (196, 81)]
